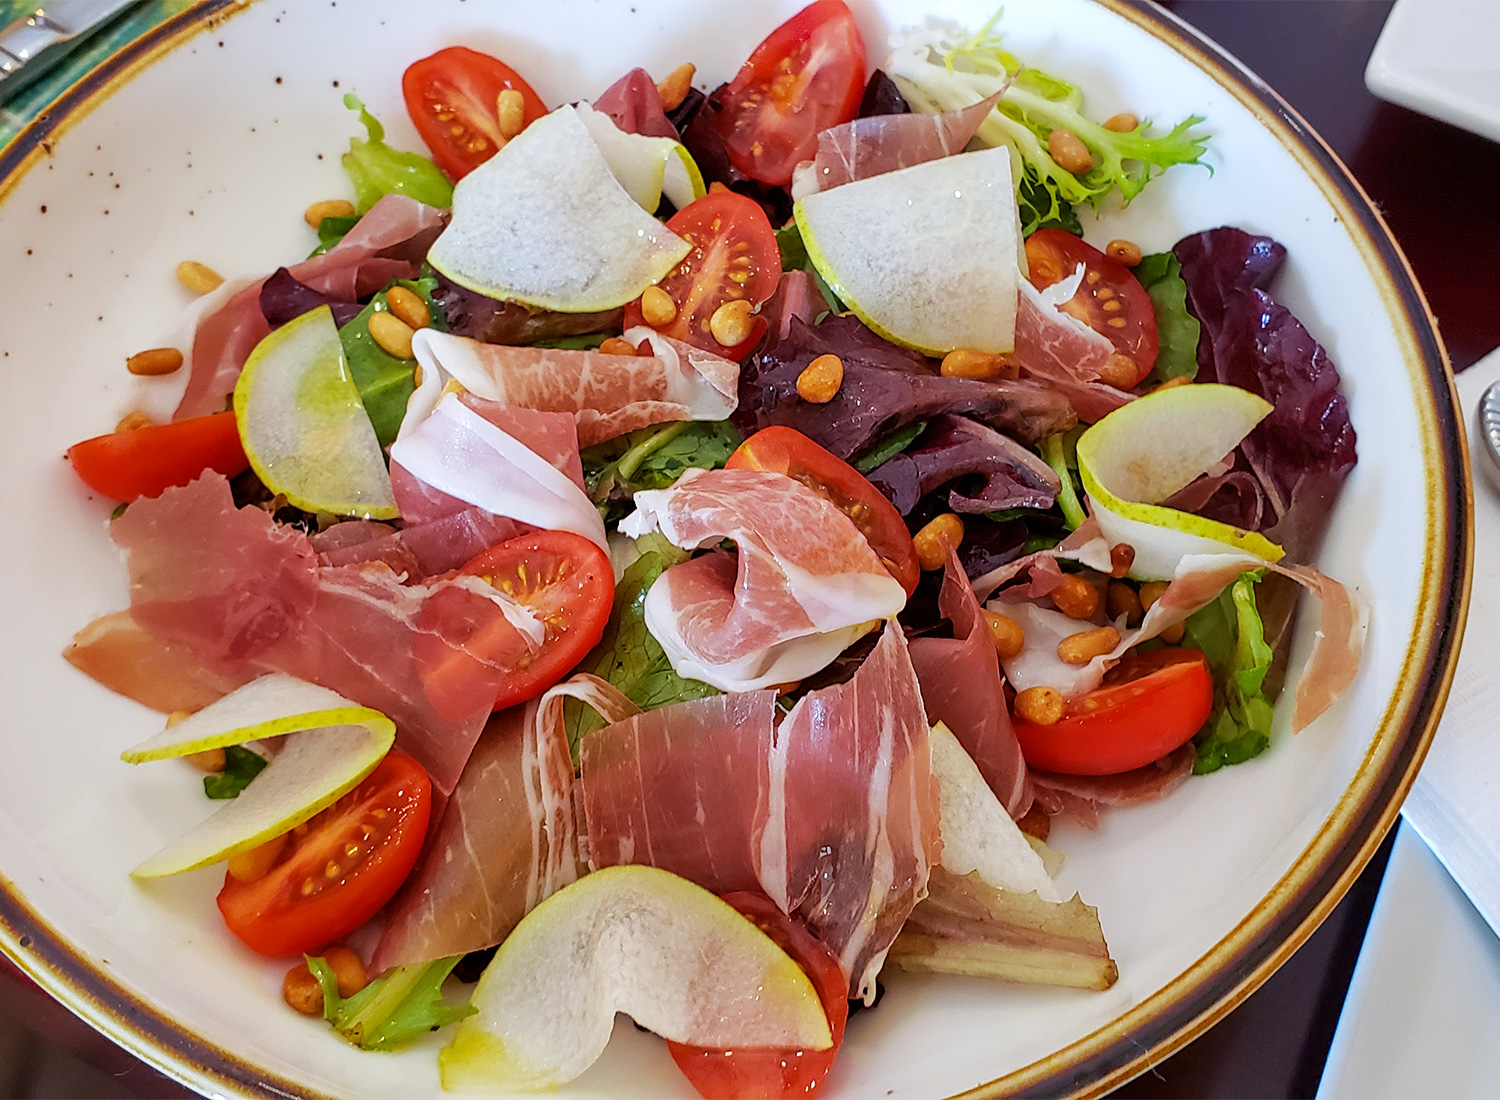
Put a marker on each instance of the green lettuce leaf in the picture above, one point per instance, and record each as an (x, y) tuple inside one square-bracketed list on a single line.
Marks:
[(376, 169), (1176, 329), (240, 766), (1230, 634), (385, 383), (406, 1003), (883, 450), (654, 458)]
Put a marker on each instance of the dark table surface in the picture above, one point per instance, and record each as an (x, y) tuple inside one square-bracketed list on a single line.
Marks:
[(1429, 180)]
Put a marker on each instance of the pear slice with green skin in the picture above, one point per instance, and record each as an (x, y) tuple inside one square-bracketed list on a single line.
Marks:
[(925, 256), (332, 744), (303, 425), (647, 167), (544, 222), (1145, 451), (680, 961)]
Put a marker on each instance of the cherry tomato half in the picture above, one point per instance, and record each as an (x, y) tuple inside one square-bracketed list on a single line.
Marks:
[(808, 75), (734, 256), (142, 462), (338, 868), (563, 579), (1148, 705), (773, 1074), (1054, 254), (452, 98), (787, 451)]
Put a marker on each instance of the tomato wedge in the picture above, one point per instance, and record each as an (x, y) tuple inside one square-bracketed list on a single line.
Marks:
[(1148, 705), (1054, 254), (452, 98), (808, 75), (734, 256), (142, 462), (773, 1074), (561, 578), (338, 868), (787, 451)]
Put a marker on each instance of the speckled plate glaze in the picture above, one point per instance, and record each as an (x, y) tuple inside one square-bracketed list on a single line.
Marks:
[(207, 140)]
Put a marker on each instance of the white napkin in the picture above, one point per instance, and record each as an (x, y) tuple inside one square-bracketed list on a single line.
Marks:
[(1455, 802)]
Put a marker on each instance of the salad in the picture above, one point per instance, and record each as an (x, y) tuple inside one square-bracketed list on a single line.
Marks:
[(748, 503)]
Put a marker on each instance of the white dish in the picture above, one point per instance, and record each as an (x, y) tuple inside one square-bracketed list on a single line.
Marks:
[(1442, 58), (208, 139)]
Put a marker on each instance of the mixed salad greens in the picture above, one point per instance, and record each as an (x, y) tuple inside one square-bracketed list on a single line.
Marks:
[(647, 427)]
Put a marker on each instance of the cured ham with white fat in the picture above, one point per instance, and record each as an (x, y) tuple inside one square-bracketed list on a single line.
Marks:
[(608, 395), (1082, 796), (833, 813), (803, 585)]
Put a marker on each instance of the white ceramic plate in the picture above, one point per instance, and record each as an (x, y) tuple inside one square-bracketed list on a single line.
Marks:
[(209, 138), (1442, 58)]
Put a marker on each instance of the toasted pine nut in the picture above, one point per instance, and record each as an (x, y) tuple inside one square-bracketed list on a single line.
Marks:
[(717, 188), (1119, 370), (1151, 591), (675, 86), (209, 760), (416, 375), (408, 307), (134, 421), (510, 113), (820, 380), (348, 969), (1172, 634), (972, 363), (252, 865), (328, 208), (1173, 383), (1041, 706), (1071, 154), (1122, 123), (154, 362), (301, 990), (1083, 647), (1075, 597), (1009, 636), (657, 308), (730, 325), (1121, 558), (933, 541), (617, 345), (1123, 252), (1121, 599), (1035, 823), (199, 278), (392, 334)]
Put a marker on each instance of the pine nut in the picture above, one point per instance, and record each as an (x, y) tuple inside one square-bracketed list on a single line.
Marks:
[(933, 541), (675, 86), (328, 208), (510, 113), (1119, 370), (199, 278), (617, 345), (155, 362), (1151, 591), (408, 307), (209, 760), (820, 380), (1122, 123), (1121, 599), (657, 308), (1172, 634), (1075, 597), (1071, 154), (392, 334), (1121, 558), (252, 865), (301, 990), (1035, 823), (1123, 252), (717, 188), (731, 325), (348, 970), (1009, 636), (1041, 706), (1083, 647), (1173, 383), (972, 363), (134, 421)]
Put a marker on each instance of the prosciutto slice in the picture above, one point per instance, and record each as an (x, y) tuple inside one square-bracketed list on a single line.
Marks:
[(833, 814), (804, 583), (418, 551), (1082, 796), (608, 395), (633, 103), (1056, 347)]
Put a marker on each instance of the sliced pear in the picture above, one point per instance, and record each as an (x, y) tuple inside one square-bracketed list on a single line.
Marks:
[(637, 940), (647, 167), (544, 222), (331, 744), (925, 256), (1147, 450), (304, 427)]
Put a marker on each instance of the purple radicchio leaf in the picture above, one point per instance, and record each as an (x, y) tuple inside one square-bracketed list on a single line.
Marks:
[(283, 299), (495, 322), (955, 447)]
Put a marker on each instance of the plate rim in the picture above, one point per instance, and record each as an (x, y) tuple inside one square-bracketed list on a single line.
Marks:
[(1233, 968)]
